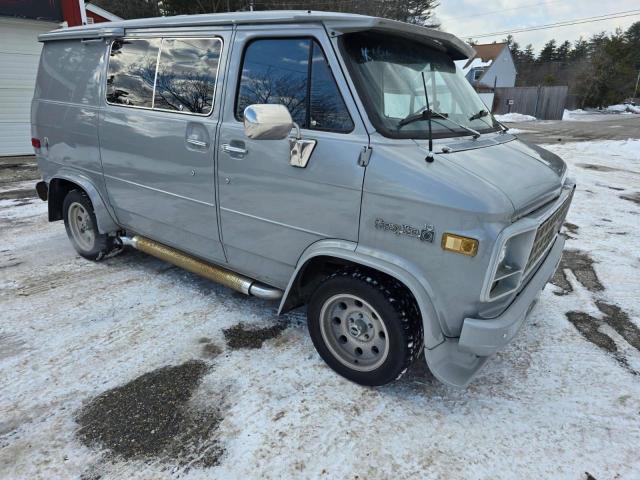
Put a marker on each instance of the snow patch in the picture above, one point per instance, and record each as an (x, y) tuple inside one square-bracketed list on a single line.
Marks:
[(515, 118), (516, 131)]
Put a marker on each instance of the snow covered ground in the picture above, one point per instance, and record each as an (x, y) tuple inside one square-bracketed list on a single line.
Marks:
[(83, 348)]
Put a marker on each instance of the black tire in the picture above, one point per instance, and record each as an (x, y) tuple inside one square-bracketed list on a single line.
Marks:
[(102, 244), (399, 317)]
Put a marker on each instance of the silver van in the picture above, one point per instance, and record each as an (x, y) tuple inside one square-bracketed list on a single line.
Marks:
[(335, 161)]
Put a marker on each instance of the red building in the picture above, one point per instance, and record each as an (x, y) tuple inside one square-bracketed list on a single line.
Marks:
[(21, 21)]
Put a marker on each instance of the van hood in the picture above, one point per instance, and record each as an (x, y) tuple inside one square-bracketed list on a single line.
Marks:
[(528, 175)]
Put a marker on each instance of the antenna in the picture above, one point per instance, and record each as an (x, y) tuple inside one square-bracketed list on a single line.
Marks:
[(429, 158)]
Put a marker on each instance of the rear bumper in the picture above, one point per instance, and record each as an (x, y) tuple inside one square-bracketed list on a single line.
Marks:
[(457, 360)]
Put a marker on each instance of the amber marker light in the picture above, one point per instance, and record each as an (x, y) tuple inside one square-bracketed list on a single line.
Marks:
[(459, 244)]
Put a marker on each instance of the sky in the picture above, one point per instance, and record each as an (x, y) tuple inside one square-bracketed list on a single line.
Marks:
[(473, 17)]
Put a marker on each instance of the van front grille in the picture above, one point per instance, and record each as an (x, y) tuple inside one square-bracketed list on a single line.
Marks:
[(547, 232)]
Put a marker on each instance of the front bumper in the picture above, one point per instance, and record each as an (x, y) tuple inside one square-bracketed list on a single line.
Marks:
[(457, 361), (486, 337)]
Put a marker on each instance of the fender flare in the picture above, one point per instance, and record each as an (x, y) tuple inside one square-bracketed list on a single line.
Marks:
[(104, 217), (385, 262)]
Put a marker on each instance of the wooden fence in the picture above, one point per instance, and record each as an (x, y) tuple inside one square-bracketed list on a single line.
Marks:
[(545, 103)]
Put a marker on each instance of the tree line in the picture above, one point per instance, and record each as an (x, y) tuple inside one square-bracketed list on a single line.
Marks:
[(412, 11), (600, 71)]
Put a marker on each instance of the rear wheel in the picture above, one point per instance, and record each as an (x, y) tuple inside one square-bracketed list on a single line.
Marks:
[(82, 227), (366, 327)]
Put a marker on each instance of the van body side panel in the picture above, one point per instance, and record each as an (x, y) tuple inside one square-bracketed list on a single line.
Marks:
[(271, 211), (401, 188), (159, 183), (65, 110)]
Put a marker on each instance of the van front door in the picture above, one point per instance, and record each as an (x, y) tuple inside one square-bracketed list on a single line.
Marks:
[(157, 137), (270, 210)]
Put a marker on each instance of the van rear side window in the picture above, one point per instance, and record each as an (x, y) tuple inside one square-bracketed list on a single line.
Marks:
[(171, 74), (131, 73), (187, 74)]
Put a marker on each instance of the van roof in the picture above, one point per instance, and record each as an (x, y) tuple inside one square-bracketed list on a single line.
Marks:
[(335, 22)]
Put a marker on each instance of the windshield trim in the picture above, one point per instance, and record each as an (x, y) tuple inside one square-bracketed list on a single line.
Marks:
[(373, 115)]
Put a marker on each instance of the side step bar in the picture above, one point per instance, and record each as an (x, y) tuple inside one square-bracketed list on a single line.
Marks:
[(230, 279)]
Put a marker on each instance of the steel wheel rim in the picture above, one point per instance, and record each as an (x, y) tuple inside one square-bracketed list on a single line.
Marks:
[(354, 332), (81, 226)]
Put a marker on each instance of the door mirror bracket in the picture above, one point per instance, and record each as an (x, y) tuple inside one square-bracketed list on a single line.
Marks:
[(274, 122)]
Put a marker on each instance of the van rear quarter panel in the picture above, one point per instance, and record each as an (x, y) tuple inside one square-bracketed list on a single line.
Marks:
[(64, 111)]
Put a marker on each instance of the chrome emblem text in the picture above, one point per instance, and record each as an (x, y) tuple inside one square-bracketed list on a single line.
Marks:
[(425, 234)]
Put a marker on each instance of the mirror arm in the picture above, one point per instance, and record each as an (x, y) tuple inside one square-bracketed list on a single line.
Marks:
[(297, 128)]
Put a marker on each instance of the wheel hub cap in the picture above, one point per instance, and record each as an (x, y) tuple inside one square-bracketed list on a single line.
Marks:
[(358, 328), (354, 332), (80, 225)]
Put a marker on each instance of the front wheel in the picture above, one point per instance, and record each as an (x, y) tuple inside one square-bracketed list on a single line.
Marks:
[(366, 327)]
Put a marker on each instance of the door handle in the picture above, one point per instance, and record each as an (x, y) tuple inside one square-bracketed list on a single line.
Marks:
[(197, 143), (225, 147)]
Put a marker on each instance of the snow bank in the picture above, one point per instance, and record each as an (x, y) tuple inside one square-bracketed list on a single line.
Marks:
[(572, 114), (624, 108), (515, 118)]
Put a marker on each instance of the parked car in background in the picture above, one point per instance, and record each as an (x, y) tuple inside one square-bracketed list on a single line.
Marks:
[(329, 160)]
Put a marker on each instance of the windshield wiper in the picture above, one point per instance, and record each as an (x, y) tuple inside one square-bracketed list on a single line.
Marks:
[(479, 115), (428, 114)]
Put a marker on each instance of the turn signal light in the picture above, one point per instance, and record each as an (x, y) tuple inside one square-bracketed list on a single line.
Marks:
[(35, 143), (456, 243)]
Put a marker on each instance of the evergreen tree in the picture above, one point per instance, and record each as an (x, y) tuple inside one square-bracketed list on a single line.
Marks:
[(528, 54), (632, 37), (580, 49), (548, 52), (611, 75), (564, 51)]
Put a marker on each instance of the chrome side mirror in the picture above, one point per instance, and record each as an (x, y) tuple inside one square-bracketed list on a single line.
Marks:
[(267, 122), (274, 122)]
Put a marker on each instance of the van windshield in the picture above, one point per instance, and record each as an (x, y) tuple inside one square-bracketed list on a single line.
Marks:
[(388, 72)]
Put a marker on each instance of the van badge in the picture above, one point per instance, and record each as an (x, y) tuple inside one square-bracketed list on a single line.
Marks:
[(425, 234)]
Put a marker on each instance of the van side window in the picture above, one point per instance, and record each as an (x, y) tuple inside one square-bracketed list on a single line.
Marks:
[(295, 73), (276, 71), (327, 109), (131, 72), (187, 73)]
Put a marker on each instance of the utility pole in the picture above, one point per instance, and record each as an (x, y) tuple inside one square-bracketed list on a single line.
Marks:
[(635, 92)]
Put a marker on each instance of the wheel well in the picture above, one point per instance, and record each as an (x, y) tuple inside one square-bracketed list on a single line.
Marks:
[(58, 189), (319, 268)]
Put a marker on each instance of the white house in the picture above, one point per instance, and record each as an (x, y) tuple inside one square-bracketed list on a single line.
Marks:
[(492, 66)]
